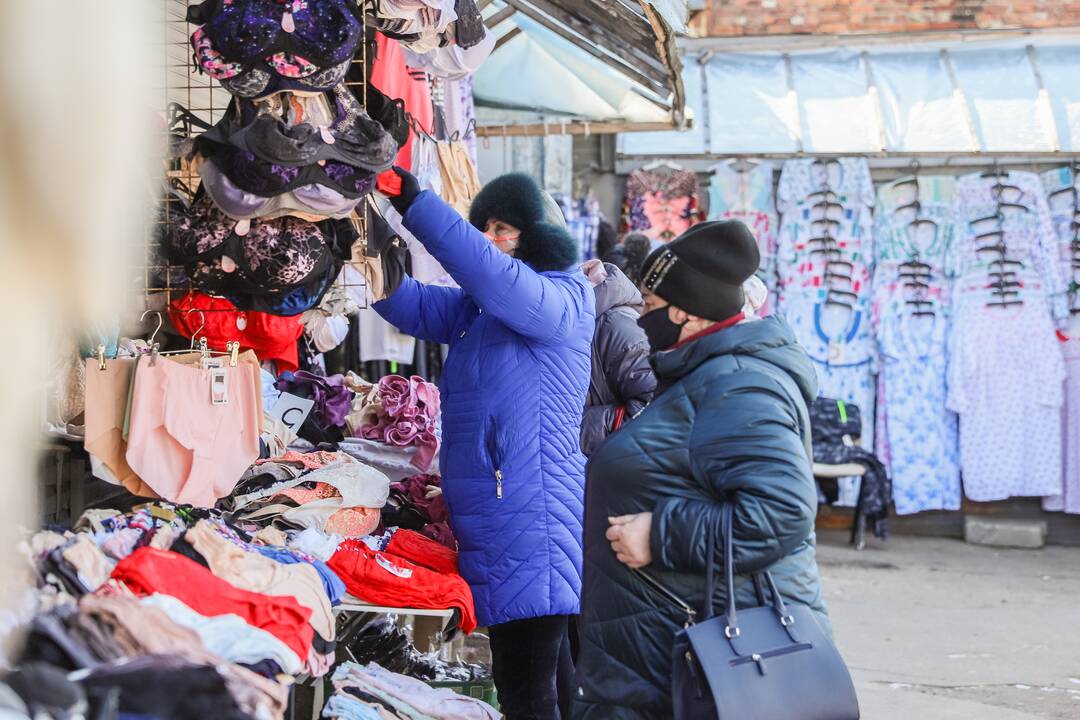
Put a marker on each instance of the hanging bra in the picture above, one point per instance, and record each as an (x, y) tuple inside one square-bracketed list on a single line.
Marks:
[(298, 301), (250, 174), (318, 33), (263, 128), (240, 205), (272, 258)]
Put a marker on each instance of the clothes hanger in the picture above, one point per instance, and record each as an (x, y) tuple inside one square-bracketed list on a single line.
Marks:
[(913, 179), (1014, 206), (823, 194), (179, 117), (918, 223), (826, 226), (915, 263), (1002, 284), (845, 293), (160, 323), (1000, 247), (232, 351), (656, 164), (839, 303), (994, 171)]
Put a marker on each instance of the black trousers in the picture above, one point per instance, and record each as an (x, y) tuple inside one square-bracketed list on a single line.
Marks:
[(530, 659)]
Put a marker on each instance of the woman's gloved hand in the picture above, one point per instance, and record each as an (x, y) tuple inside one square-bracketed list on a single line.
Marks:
[(410, 188), (394, 259)]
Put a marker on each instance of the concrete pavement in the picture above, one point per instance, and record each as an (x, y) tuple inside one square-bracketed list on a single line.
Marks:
[(941, 630)]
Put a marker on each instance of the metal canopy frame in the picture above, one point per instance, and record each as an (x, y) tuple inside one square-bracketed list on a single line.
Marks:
[(629, 36)]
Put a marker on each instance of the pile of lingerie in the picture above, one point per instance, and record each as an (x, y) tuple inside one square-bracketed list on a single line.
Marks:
[(371, 692), (179, 597), (296, 153)]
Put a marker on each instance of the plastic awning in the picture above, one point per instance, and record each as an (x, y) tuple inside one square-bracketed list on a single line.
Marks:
[(565, 63), (976, 95)]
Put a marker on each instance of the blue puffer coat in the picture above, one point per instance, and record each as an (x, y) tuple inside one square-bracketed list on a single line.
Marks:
[(513, 388)]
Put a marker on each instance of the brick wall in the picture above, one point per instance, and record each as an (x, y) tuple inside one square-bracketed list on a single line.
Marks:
[(783, 17)]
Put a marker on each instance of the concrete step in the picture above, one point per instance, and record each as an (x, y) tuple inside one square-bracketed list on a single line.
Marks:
[(1029, 534)]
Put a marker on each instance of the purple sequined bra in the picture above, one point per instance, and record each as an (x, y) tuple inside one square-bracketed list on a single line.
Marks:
[(302, 36)]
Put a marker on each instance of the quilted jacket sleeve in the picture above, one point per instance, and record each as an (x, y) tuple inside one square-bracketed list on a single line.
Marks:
[(746, 446), (427, 312), (542, 308), (623, 351)]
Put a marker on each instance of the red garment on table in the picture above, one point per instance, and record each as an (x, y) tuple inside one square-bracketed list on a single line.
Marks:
[(380, 578), (390, 75), (423, 551), (148, 570), (271, 337)]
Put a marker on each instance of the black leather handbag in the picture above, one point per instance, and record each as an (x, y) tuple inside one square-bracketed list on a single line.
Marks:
[(770, 662)]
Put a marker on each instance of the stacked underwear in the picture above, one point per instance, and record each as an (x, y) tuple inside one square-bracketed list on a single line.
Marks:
[(417, 503), (174, 427), (382, 578), (148, 571), (328, 492), (270, 337)]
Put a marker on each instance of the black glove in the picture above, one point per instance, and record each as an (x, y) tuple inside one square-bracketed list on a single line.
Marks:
[(395, 260), (410, 188)]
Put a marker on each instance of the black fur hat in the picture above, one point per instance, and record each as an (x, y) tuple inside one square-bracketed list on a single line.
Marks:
[(516, 199)]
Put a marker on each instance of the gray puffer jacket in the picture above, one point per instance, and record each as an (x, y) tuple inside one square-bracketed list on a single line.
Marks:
[(621, 375)]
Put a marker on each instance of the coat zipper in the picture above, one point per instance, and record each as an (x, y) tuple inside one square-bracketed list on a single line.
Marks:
[(493, 455)]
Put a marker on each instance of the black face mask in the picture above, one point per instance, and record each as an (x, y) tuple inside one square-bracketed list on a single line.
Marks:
[(661, 331)]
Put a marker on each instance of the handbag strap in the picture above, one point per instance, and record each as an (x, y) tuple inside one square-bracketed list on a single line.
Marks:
[(726, 514), (659, 587), (731, 628), (710, 573)]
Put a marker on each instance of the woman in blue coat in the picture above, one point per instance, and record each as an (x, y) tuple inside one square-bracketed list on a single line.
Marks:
[(513, 387)]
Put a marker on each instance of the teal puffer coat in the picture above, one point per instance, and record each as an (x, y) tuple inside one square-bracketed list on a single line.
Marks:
[(729, 423)]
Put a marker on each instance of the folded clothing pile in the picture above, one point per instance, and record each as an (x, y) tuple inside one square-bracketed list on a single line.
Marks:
[(333, 400), (403, 412), (374, 574), (383, 642), (369, 691), (417, 503), (327, 491)]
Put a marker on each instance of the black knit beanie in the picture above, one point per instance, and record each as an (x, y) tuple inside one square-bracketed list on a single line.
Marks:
[(515, 198), (702, 270)]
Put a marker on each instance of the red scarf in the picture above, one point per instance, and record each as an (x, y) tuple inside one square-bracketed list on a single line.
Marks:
[(714, 328)]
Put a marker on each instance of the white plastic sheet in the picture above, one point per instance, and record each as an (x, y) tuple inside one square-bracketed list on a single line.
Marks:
[(540, 70), (1060, 68), (995, 105), (920, 109), (1002, 91), (750, 106), (836, 111), (689, 142)]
